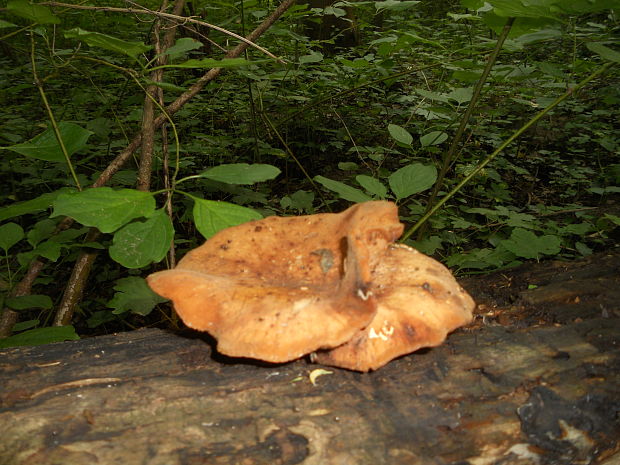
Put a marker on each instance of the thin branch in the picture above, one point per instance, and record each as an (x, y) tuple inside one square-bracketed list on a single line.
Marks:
[(161, 14)]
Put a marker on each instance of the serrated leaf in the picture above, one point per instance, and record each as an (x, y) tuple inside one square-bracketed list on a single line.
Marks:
[(372, 185), (142, 242), (433, 138), (39, 336), (346, 192), (400, 134), (113, 44), (134, 295), (45, 146), (241, 173), (412, 179), (25, 302), (211, 216), (10, 234), (36, 13), (105, 208), (526, 244)]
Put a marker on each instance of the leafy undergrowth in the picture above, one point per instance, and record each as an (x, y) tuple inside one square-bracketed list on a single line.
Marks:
[(333, 124)]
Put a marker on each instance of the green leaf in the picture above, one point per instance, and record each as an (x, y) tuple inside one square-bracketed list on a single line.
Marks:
[(412, 179), (25, 302), (105, 208), (207, 63), (10, 234), (134, 295), (23, 325), (314, 57), (372, 185), (182, 46), (400, 134), (5, 24), (142, 242), (45, 146), (395, 5), (212, 216), (433, 138), (605, 52), (346, 192), (461, 95), (241, 173), (39, 336), (526, 244), (37, 13), (49, 250), (113, 44)]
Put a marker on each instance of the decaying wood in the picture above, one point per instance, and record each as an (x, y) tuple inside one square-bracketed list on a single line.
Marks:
[(535, 379)]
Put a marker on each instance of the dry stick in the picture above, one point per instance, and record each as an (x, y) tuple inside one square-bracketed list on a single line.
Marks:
[(84, 262)]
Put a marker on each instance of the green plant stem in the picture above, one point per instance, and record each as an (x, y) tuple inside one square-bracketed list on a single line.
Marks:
[(50, 113), (508, 141), (458, 136)]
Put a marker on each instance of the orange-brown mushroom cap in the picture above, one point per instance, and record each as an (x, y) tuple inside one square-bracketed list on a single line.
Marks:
[(279, 288), (418, 303)]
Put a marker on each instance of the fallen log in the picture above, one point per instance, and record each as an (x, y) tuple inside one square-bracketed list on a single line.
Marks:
[(535, 379)]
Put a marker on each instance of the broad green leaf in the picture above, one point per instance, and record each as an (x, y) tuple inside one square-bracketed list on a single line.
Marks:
[(412, 179), (105, 208), (395, 5), (432, 95), (461, 95), (433, 138), (45, 146), (212, 216), (113, 44), (346, 192), (605, 52), (241, 173), (36, 13), (400, 134), (24, 325), (142, 242), (41, 230), (10, 234), (182, 46), (24, 302), (49, 250), (207, 63), (314, 57), (372, 185), (39, 336), (526, 244), (300, 201), (134, 295)]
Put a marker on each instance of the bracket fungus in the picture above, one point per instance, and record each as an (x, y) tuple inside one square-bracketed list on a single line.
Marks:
[(332, 285)]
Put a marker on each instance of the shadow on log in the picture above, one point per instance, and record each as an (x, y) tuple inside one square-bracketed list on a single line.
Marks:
[(535, 379)]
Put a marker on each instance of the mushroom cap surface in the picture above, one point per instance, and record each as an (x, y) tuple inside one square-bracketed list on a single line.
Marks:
[(278, 288), (418, 303)]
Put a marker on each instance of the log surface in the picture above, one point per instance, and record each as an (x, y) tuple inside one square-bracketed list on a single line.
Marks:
[(535, 379)]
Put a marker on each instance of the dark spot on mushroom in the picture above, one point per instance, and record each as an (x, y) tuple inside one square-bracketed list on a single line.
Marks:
[(427, 287)]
